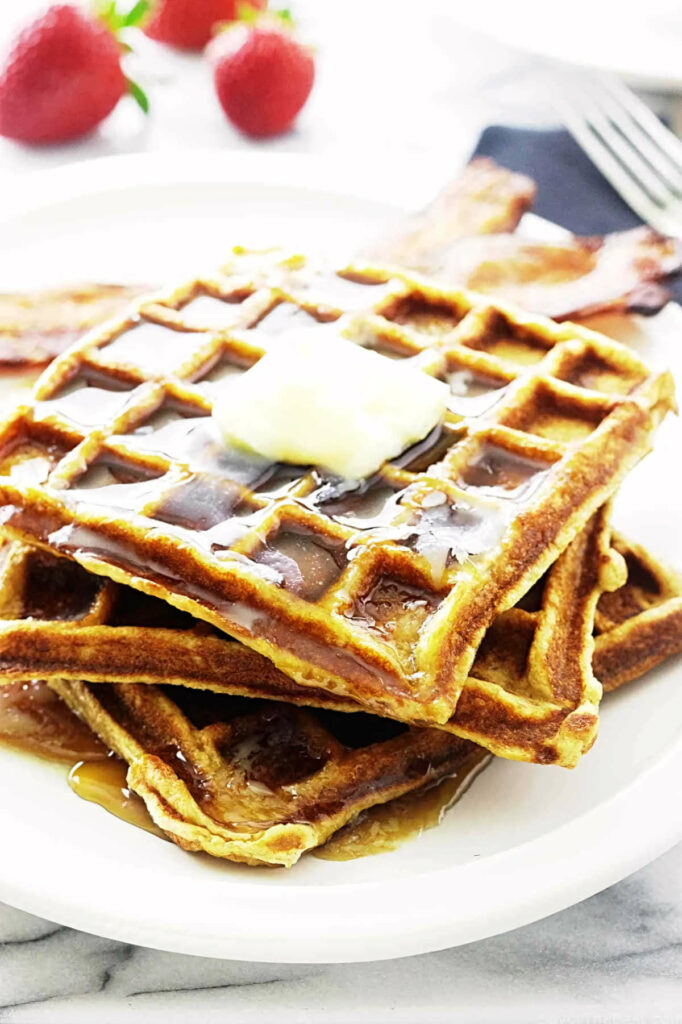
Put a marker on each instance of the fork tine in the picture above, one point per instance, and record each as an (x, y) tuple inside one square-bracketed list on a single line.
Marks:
[(611, 168), (647, 120), (645, 145), (620, 175), (621, 145)]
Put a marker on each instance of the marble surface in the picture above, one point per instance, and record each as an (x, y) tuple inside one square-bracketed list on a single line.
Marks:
[(614, 958), (426, 90)]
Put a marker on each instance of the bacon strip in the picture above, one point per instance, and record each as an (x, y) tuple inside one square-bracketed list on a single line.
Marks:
[(464, 237), (576, 278), (483, 199), (37, 326)]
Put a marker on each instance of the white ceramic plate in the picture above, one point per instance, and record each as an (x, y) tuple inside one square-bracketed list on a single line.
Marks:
[(639, 41), (524, 842)]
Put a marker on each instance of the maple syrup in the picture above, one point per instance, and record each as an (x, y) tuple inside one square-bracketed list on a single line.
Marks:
[(384, 828), (104, 782), (33, 718)]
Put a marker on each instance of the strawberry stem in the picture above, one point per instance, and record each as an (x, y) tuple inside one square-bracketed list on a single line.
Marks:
[(139, 95), (250, 15), (136, 13), (115, 20)]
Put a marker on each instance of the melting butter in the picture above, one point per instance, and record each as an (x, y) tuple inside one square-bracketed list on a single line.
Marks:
[(316, 398)]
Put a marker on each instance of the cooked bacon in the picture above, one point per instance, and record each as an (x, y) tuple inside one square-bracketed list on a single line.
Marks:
[(37, 326), (482, 200), (581, 276)]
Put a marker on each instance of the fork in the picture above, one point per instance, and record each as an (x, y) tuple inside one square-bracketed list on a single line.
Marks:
[(637, 154)]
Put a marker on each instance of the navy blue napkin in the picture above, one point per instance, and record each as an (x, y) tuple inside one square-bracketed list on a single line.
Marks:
[(571, 191)]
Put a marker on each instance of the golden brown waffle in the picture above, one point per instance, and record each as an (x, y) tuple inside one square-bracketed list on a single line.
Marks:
[(61, 622), (381, 594), (640, 625), (258, 781)]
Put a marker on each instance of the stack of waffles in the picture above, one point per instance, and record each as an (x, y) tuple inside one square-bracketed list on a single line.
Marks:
[(273, 650)]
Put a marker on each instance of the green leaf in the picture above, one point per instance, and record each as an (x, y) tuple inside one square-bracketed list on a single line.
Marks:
[(139, 95), (136, 13), (107, 12)]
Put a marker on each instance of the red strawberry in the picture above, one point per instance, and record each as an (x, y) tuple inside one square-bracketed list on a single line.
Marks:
[(63, 75), (189, 24), (262, 75)]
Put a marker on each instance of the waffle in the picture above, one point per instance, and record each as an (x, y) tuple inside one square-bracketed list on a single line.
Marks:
[(258, 781), (640, 625), (383, 593), (57, 620), (63, 623)]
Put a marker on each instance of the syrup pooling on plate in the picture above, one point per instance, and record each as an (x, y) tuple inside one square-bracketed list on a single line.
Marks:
[(271, 758), (104, 782), (35, 719), (386, 827)]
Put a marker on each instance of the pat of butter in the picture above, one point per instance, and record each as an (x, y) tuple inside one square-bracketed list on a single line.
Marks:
[(317, 399)]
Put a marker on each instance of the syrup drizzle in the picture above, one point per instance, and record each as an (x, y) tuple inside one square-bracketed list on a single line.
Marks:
[(104, 783), (34, 719), (385, 827)]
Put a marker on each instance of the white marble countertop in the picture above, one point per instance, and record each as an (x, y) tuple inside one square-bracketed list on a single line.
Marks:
[(616, 957)]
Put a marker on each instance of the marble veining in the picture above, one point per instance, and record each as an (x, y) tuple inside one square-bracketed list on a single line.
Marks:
[(614, 958)]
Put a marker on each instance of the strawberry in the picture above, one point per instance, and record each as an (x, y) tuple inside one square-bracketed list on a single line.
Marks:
[(189, 24), (63, 74), (262, 74)]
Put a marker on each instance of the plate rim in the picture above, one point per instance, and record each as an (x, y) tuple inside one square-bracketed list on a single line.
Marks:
[(550, 52), (405, 915)]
